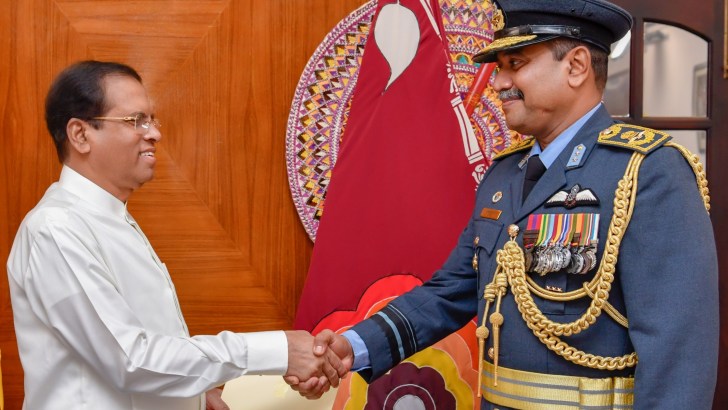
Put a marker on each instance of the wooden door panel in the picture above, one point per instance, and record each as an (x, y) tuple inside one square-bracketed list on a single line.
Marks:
[(222, 75)]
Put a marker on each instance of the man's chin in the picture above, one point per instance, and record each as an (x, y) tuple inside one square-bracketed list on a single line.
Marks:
[(148, 176), (512, 121)]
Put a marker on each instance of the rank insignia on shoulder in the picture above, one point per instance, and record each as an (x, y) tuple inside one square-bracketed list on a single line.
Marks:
[(576, 196), (640, 139)]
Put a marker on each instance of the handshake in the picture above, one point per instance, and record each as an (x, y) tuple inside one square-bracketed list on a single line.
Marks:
[(317, 363)]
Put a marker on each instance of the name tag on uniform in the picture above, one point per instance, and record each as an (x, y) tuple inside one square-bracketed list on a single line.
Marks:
[(489, 213)]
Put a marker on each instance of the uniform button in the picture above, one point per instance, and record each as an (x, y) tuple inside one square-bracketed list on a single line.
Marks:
[(491, 353)]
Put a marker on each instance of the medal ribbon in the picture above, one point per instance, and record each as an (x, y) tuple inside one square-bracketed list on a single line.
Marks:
[(543, 229), (568, 230), (594, 236), (588, 221), (561, 228), (551, 229), (534, 222)]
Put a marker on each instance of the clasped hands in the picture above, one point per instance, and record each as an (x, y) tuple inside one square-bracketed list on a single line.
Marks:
[(317, 363)]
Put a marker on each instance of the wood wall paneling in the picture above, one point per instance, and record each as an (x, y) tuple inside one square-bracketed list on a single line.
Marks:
[(222, 74)]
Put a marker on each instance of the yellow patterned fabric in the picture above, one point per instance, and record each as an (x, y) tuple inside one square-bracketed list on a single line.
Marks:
[(640, 139), (537, 391)]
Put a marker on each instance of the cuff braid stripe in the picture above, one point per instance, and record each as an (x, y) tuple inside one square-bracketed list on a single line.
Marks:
[(398, 332)]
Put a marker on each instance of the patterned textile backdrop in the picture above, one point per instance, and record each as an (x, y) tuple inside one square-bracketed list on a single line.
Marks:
[(322, 100)]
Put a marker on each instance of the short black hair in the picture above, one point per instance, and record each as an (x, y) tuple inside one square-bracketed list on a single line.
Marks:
[(78, 92), (599, 58)]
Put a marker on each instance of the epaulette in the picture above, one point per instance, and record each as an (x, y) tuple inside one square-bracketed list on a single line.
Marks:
[(520, 146), (634, 137)]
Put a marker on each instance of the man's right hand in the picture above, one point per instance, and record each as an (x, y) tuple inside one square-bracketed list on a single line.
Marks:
[(337, 343), (336, 352)]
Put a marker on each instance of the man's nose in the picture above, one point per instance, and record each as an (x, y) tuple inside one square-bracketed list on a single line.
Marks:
[(153, 133), (502, 81)]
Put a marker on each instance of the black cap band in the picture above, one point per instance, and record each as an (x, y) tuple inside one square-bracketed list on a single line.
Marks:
[(567, 31)]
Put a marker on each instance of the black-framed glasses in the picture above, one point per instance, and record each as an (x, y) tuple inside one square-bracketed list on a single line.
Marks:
[(139, 120)]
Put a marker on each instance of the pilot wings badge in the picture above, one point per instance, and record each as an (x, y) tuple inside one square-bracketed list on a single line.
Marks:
[(572, 198)]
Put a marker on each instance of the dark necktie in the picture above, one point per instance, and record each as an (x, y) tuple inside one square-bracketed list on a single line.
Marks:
[(534, 170)]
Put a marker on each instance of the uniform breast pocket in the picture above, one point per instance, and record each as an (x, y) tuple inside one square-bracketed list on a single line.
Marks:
[(486, 234)]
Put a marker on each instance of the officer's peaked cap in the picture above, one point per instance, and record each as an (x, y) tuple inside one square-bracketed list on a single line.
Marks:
[(597, 22)]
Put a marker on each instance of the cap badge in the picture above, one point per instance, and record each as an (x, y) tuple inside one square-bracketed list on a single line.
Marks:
[(497, 21)]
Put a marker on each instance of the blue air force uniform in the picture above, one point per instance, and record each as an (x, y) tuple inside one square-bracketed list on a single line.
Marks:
[(600, 289), (664, 281)]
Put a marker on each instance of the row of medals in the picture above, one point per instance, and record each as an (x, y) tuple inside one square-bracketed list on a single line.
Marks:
[(555, 257)]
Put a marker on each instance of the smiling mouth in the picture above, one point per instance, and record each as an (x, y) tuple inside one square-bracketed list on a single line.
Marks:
[(147, 154)]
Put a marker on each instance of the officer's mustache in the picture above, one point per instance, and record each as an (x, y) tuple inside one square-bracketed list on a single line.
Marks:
[(510, 94)]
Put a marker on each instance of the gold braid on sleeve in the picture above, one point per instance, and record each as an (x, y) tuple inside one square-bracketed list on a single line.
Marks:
[(698, 169)]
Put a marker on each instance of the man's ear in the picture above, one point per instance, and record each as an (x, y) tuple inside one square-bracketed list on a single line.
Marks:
[(77, 138), (579, 59)]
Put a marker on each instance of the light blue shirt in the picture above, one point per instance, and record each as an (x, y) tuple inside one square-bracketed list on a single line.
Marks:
[(361, 353), (548, 156)]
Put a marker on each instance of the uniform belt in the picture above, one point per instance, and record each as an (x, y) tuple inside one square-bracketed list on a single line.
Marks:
[(537, 391)]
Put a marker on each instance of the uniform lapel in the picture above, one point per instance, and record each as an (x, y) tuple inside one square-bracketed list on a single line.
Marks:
[(554, 179), (516, 186)]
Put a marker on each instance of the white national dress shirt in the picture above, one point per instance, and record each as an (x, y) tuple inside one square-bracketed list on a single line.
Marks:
[(97, 318)]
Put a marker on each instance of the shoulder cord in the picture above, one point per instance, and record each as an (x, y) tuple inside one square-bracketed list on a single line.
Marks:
[(511, 268), (698, 169)]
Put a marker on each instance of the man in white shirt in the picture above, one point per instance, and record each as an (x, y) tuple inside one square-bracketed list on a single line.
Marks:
[(96, 315)]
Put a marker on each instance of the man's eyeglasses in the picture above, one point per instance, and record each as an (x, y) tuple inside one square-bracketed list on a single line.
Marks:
[(139, 120)]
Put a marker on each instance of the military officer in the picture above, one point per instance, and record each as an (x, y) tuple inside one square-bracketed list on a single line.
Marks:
[(589, 258)]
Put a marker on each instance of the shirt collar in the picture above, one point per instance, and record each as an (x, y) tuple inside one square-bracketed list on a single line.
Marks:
[(90, 193), (549, 155)]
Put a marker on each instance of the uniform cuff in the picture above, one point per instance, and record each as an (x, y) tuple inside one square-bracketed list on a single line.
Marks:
[(361, 354)]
